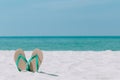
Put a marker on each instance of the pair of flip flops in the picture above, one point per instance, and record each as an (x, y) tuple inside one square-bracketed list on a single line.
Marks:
[(32, 64)]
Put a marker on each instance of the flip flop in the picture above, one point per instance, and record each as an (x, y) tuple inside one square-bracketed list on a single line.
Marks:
[(20, 60), (35, 60)]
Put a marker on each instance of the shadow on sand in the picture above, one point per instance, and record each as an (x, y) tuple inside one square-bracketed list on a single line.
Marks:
[(48, 73)]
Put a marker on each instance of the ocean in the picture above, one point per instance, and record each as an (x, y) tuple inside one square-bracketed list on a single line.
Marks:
[(62, 43)]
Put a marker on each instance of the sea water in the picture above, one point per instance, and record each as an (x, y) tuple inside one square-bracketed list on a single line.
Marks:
[(65, 43)]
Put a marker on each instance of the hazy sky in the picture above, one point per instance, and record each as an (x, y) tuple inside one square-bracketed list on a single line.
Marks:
[(59, 17)]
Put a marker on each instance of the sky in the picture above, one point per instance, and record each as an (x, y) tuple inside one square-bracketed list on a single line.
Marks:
[(59, 17)]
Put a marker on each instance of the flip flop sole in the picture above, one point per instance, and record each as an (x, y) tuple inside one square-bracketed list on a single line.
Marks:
[(22, 64), (33, 62)]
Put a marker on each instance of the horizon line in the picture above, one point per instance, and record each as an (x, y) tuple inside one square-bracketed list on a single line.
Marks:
[(60, 36)]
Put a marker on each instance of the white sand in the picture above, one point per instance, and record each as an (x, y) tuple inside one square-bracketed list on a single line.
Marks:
[(65, 65)]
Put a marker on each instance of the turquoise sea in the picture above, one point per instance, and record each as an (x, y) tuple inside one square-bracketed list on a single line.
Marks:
[(63, 43)]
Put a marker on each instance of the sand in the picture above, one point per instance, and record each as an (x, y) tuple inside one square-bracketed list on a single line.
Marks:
[(65, 65)]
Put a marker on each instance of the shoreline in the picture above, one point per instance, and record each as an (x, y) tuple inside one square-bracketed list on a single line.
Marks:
[(70, 50)]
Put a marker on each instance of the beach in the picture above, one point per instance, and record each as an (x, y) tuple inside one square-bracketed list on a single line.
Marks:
[(79, 39), (65, 65)]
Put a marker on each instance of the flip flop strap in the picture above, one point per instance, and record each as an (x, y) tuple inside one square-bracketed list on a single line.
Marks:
[(37, 63), (23, 58)]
